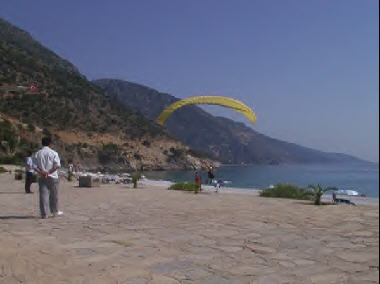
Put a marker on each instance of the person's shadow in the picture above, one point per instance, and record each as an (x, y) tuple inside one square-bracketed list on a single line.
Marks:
[(17, 217)]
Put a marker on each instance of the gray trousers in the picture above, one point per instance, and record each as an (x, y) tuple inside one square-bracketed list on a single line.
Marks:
[(48, 195)]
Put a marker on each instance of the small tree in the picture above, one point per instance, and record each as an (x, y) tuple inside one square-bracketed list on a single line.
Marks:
[(318, 191), (135, 178)]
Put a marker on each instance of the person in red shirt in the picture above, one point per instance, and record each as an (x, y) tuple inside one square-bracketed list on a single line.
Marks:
[(198, 181)]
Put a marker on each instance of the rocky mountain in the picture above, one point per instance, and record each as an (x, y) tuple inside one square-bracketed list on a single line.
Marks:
[(43, 94), (227, 140)]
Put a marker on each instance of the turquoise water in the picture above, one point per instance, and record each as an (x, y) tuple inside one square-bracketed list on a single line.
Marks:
[(362, 178)]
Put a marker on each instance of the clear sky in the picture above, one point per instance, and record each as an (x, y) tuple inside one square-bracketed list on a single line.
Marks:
[(309, 68)]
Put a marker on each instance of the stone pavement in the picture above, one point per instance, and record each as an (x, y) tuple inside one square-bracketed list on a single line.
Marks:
[(115, 234)]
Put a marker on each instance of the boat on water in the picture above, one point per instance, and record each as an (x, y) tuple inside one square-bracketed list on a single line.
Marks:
[(347, 192)]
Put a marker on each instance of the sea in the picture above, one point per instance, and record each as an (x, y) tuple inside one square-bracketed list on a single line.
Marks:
[(363, 178)]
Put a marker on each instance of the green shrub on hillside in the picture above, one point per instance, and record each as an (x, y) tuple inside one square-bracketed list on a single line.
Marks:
[(65, 100), (31, 127), (287, 191), (46, 132), (12, 160), (8, 134), (111, 148), (201, 154), (175, 154), (108, 152), (3, 170)]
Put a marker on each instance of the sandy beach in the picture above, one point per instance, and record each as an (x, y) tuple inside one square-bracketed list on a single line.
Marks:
[(116, 234)]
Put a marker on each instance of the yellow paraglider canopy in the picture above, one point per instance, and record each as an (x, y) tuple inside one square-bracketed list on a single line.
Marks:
[(209, 100)]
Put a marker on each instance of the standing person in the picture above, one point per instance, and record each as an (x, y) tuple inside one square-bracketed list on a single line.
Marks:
[(28, 172), (198, 181), (70, 172), (210, 175), (46, 163), (218, 185)]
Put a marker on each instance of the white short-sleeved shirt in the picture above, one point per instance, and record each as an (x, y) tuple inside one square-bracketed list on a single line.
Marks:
[(45, 158), (29, 165)]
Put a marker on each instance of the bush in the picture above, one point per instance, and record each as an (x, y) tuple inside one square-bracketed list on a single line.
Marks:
[(137, 156), (111, 148), (135, 178), (8, 134), (146, 143), (31, 127), (46, 132), (3, 170), (11, 160), (108, 153), (175, 154), (201, 154), (184, 186), (287, 191)]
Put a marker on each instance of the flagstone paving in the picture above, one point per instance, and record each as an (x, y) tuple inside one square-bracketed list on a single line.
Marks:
[(115, 234)]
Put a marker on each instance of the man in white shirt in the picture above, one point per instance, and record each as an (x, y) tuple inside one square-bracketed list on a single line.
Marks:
[(46, 163), (28, 172)]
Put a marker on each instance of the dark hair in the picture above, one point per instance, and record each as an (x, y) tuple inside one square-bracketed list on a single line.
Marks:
[(46, 141), (28, 153)]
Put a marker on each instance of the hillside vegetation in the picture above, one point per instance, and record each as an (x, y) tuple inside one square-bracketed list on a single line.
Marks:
[(88, 126)]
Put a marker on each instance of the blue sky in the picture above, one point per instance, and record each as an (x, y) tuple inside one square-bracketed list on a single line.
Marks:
[(308, 68)]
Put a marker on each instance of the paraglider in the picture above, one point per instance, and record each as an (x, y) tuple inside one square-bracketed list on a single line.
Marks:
[(209, 100)]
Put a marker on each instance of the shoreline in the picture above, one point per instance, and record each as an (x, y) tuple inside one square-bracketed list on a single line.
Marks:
[(256, 192), (359, 200)]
